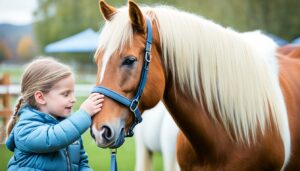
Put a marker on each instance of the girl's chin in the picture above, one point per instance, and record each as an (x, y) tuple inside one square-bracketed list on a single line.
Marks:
[(68, 111)]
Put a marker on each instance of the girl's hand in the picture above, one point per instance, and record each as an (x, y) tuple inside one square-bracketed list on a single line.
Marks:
[(93, 104)]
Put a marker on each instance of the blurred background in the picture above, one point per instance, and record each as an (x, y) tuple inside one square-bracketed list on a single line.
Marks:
[(69, 29)]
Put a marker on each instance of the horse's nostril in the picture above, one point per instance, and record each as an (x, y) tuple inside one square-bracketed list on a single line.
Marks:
[(107, 133)]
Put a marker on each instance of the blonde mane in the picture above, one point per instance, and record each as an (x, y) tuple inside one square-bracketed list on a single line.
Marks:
[(238, 76)]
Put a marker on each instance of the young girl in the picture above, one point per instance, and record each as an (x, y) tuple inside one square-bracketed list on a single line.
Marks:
[(46, 136)]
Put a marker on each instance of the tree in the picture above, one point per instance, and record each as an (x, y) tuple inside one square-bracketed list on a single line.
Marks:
[(25, 47), (5, 51), (57, 19)]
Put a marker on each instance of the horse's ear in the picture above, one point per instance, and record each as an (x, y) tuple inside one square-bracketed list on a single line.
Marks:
[(136, 16), (106, 10)]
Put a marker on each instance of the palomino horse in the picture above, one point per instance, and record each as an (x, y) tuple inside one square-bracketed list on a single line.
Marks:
[(236, 104), (157, 133)]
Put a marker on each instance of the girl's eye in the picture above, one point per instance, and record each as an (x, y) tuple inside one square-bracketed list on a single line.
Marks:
[(65, 94), (129, 61)]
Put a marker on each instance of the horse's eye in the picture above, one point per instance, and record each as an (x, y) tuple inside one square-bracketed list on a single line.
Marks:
[(129, 61)]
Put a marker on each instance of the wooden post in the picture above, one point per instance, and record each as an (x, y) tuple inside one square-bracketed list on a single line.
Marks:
[(6, 111)]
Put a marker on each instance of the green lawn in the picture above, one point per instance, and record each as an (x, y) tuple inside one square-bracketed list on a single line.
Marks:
[(99, 159)]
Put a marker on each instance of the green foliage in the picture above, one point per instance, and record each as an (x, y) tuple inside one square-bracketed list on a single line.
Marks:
[(59, 19), (5, 51), (56, 20), (280, 17)]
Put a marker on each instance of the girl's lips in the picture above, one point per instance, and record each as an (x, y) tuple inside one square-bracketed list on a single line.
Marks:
[(69, 109)]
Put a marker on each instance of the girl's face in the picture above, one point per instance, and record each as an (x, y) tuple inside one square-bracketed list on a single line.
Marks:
[(60, 99)]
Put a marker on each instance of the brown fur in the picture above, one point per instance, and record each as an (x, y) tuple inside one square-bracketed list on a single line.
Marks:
[(291, 50), (290, 83)]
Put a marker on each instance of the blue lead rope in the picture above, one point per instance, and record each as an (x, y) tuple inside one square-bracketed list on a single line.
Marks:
[(113, 160)]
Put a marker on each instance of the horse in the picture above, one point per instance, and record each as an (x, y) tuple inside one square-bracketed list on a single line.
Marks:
[(157, 133), (236, 104)]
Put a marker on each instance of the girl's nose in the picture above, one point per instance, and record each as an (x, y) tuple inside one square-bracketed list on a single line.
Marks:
[(73, 100)]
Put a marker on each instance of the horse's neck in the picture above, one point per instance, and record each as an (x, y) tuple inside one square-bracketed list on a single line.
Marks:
[(195, 123)]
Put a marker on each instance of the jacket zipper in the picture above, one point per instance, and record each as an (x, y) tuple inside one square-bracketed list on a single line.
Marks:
[(66, 150), (68, 159)]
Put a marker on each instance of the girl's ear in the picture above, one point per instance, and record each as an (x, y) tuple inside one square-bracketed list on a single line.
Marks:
[(39, 97)]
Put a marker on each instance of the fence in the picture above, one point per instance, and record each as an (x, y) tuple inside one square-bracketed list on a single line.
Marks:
[(5, 108)]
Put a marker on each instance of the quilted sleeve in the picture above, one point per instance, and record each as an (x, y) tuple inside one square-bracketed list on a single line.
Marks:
[(38, 137)]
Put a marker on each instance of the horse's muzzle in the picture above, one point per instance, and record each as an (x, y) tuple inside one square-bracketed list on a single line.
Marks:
[(107, 137)]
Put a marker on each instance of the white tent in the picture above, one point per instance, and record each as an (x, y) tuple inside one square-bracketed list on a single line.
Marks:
[(85, 41), (296, 41)]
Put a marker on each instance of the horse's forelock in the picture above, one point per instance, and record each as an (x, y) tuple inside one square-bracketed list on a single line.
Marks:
[(114, 35)]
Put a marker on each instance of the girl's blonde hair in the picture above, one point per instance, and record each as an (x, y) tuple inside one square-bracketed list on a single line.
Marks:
[(40, 75)]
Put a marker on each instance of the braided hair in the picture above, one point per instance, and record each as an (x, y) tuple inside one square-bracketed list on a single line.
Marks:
[(13, 119)]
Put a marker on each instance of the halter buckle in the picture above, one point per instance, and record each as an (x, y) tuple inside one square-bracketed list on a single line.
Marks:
[(134, 105), (147, 56)]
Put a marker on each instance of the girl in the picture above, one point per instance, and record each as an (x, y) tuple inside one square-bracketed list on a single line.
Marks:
[(46, 136)]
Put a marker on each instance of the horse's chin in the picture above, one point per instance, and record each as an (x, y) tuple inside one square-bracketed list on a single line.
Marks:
[(103, 144), (109, 145)]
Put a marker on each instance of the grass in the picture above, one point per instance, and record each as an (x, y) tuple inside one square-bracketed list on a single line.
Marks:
[(99, 159), (14, 72)]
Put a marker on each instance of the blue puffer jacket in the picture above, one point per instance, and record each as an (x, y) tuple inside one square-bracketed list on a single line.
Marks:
[(41, 142)]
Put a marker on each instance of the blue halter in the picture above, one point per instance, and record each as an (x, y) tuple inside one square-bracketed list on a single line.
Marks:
[(133, 103)]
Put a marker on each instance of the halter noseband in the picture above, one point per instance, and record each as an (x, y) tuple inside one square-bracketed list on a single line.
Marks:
[(133, 103)]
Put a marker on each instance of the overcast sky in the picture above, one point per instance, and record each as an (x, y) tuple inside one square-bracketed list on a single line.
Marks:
[(17, 11)]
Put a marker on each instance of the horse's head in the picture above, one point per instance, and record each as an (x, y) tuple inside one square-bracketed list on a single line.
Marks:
[(120, 58)]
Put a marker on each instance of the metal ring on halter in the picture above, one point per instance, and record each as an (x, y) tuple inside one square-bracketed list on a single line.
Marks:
[(113, 150), (113, 160)]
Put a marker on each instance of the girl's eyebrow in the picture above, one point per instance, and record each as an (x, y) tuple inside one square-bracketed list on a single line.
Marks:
[(67, 91)]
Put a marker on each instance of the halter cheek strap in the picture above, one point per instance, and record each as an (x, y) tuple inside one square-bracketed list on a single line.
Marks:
[(133, 103)]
